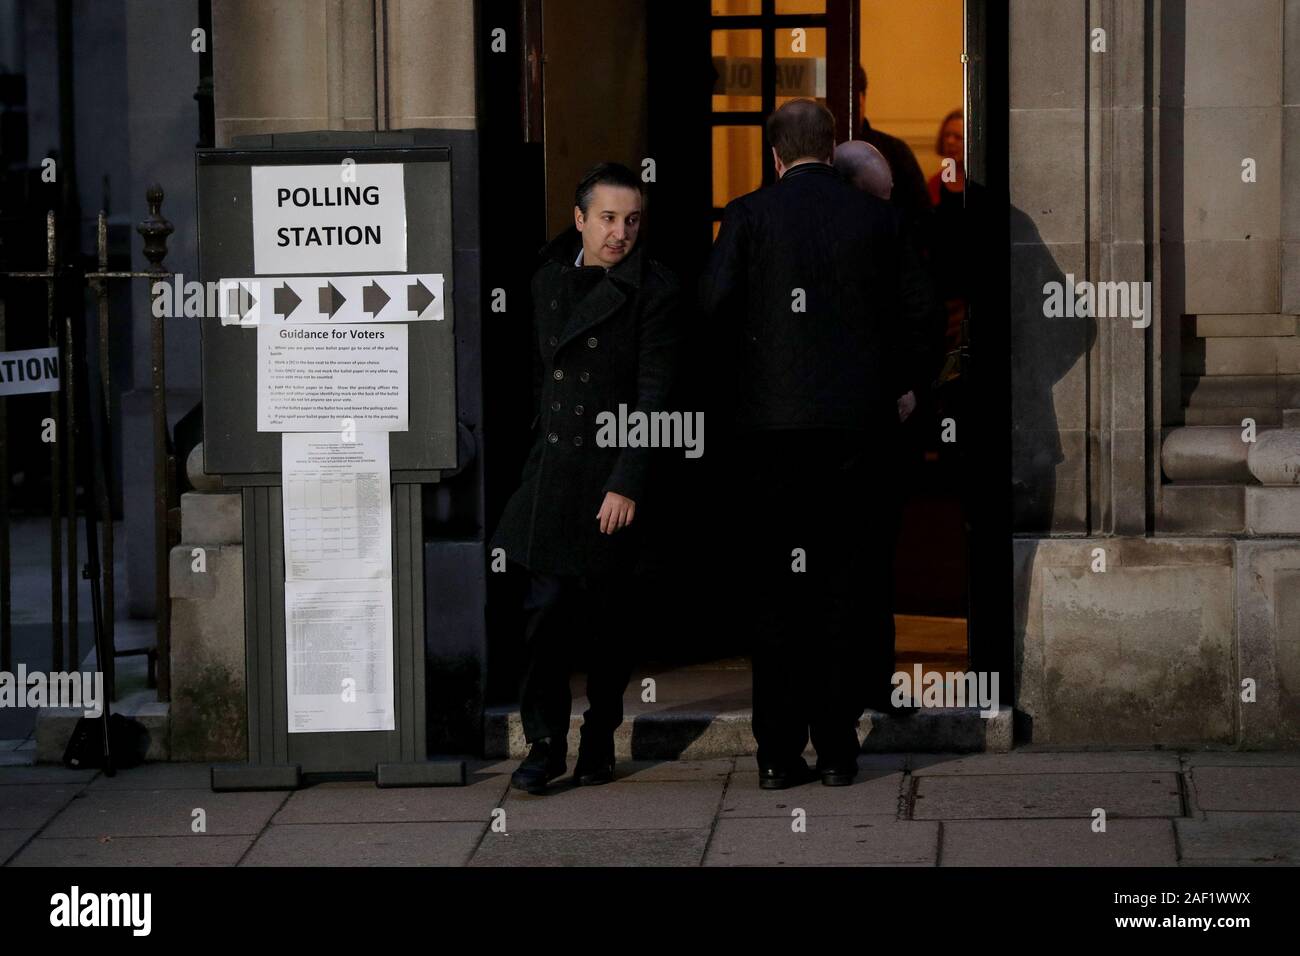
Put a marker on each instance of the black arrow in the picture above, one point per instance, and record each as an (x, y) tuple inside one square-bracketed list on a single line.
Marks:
[(331, 299), (418, 297), (374, 298), (286, 300), (241, 301)]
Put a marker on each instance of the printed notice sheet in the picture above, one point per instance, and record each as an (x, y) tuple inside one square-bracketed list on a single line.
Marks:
[(322, 378), (337, 513), (339, 641)]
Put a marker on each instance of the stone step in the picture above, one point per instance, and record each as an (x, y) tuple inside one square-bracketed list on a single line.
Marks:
[(1277, 391), (1205, 508), (1257, 324), (1244, 355), (1273, 510), (698, 735), (1264, 416)]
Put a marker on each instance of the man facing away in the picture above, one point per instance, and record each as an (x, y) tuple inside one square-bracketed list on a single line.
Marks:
[(814, 302), (604, 336)]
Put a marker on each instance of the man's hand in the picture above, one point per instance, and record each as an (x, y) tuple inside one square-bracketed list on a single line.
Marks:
[(616, 512), (906, 405)]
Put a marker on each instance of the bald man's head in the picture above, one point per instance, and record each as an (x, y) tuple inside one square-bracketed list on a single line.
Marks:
[(865, 167)]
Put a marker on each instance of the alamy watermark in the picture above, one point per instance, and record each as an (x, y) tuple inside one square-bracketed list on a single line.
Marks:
[(230, 300), (946, 689), (76, 909), (1101, 300), (638, 429), (82, 690)]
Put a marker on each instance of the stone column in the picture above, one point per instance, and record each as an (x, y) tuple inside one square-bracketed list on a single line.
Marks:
[(1117, 224), (428, 75), (292, 65), (1049, 242)]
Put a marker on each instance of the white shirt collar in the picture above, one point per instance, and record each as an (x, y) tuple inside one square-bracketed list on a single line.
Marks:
[(578, 261)]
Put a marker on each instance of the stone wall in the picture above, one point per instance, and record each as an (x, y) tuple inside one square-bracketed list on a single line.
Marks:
[(1181, 641)]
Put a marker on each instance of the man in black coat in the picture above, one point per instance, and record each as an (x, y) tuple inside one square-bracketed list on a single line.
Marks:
[(817, 308), (604, 334)]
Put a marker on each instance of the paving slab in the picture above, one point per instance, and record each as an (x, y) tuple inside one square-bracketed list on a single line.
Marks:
[(1019, 761), (1018, 796), (11, 840), (674, 771), (158, 776), (875, 792), (17, 758), (616, 806), (420, 843), (44, 773), (1252, 838), (857, 840), (1263, 789), (641, 771), (363, 802), (158, 813), (193, 850), (892, 761), (1243, 758), (8, 745), (655, 847), (31, 806), (1057, 843)]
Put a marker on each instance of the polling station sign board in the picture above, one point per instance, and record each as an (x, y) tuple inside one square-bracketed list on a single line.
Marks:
[(28, 371), (340, 238), (329, 218)]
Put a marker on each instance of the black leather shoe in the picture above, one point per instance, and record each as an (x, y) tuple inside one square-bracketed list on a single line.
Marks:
[(840, 774), (545, 762), (592, 771), (595, 764), (781, 777)]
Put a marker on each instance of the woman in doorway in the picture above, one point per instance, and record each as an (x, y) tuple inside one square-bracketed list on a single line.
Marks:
[(947, 187)]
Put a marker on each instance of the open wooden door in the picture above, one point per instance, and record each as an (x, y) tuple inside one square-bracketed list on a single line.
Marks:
[(765, 53)]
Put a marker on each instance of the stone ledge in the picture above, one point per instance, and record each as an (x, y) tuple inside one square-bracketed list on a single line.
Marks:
[(1202, 509), (209, 519), (685, 735), (1271, 511), (54, 725)]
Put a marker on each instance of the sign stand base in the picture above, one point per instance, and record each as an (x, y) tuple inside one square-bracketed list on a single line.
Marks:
[(233, 777), (227, 778), (428, 773)]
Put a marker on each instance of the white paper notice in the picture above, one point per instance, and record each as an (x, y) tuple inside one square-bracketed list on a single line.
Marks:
[(337, 516), (339, 641), (329, 218), (318, 379)]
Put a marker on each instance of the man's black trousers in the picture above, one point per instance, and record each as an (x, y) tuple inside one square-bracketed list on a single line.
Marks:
[(818, 515), (572, 620)]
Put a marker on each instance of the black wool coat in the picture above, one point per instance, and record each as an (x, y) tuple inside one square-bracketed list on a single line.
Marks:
[(601, 339), (819, 311)]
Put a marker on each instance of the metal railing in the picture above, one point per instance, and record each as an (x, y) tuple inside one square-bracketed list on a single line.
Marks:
[(67, 280)]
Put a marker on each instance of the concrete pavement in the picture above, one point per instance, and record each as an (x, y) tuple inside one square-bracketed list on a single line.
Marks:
[(1026, 807)]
